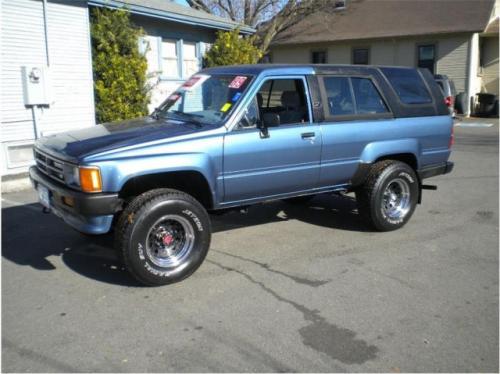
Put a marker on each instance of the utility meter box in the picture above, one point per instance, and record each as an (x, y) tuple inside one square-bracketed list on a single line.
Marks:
[(37, 88)]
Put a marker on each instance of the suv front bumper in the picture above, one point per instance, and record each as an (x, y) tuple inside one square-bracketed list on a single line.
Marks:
[(88, 213)]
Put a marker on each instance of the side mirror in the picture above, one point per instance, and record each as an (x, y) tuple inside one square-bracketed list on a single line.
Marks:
[(271, 119), (264, 132)]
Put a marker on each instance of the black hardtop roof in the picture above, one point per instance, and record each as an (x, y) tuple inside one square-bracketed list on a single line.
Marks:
[(290, 69)]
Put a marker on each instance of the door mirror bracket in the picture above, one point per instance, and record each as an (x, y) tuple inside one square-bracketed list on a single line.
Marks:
[(264, 131)]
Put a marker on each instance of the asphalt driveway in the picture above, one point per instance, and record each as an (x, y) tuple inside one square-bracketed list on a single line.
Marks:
[(284, 288)]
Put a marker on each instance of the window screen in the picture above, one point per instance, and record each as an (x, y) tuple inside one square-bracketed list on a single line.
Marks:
[(360, 56), (191, 62), (368, 100), (408, 85), (169, 56), (319, 57), (426, 57), (338, 94)]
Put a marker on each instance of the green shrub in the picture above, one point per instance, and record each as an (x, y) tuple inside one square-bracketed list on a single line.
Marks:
[(120, 84), (231, 49)]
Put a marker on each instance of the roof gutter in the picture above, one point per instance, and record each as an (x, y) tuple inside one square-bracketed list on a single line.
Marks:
[(285, 43), (171, 16)]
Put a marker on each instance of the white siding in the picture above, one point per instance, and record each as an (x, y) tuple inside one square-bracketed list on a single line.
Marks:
[(452, 59), (23, 43), (489, 71), (452, 52)]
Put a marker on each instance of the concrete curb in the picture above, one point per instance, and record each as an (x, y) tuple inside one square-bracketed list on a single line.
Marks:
[(15, 184)]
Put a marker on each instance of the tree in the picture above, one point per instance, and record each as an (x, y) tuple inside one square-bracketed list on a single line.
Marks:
[(120, 69), (230, 49), (269, 17)]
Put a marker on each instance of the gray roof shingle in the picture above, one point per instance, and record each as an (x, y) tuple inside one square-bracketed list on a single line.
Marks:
[(369, 19), (171, 10)]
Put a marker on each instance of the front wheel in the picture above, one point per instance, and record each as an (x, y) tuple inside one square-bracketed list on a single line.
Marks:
[(389, 195), (163, 236)]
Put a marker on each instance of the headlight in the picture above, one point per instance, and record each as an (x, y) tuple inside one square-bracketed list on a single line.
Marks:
[(90, 179)]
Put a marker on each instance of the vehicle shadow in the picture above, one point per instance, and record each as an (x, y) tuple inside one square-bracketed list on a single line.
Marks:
[(31, 238), (330, 211)]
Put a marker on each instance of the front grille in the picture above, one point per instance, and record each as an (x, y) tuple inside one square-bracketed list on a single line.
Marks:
[(50, 166)]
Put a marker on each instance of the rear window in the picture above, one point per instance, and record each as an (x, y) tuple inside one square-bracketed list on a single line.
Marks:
[(409, 85)]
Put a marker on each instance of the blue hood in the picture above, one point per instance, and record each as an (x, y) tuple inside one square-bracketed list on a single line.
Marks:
[(75, 145)]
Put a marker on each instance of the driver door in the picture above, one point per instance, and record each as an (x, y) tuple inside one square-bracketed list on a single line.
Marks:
[(282, 160)]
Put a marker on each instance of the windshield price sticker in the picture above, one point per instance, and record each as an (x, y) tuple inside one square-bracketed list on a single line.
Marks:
[(225, 107), (194, 82), (174, 97), (236, 96), (237, 82)]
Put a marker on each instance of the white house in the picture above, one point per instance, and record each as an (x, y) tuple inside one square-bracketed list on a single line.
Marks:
[(46, 63), (458, 38)]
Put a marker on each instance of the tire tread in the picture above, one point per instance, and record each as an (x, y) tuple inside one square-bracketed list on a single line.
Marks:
[(365, 193), (134, 208)]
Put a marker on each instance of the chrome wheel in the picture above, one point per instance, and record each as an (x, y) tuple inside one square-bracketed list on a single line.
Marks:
[(170, 241), (396, 201)]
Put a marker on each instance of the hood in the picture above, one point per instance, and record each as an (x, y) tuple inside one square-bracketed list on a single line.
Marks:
[(74, 145)]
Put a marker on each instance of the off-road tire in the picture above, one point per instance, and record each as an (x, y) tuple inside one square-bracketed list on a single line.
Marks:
[(136, 222), (370, 195)]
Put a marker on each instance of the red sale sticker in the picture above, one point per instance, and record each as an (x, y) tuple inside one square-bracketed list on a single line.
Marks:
[(237, 82), (174, 97), (194, 81)]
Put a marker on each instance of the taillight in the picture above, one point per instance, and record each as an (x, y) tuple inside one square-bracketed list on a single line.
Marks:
[(452, 137), (449, 101)]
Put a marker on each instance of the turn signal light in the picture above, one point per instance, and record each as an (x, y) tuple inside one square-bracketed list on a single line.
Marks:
[(90, 179)]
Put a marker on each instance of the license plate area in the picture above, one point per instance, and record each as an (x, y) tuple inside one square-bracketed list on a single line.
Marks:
[(43, 196)]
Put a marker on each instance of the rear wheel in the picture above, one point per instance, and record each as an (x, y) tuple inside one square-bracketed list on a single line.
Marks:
[(163, 236), (389, 195)]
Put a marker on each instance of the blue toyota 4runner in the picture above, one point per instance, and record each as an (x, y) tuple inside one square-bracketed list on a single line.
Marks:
[(235, 136)]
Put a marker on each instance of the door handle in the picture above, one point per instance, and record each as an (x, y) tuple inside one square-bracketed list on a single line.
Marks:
[(308, 135)]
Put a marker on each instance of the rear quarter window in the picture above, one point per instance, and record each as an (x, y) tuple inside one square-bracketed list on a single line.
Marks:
[(409, 85)]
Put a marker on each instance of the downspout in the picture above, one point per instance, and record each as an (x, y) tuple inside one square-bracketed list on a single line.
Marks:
[(46, 32), (471, 72)]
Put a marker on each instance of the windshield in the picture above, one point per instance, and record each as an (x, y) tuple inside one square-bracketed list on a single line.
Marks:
[(204, 99)]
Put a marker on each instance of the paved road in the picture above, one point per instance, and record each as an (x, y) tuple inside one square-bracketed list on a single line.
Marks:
[(283, 288)]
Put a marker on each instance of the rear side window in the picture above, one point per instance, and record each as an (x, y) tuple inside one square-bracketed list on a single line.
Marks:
[(408, 85), (368, 100), (352, 96), (338, 95)]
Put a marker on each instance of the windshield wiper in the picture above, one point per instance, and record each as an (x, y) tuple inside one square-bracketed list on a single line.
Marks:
[(187, 117)]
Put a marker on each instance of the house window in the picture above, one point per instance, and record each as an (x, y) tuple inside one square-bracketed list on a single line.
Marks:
[(361, 56), (190, 62), (339, 4), (427, 57), (319, 57), (170, 65)]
